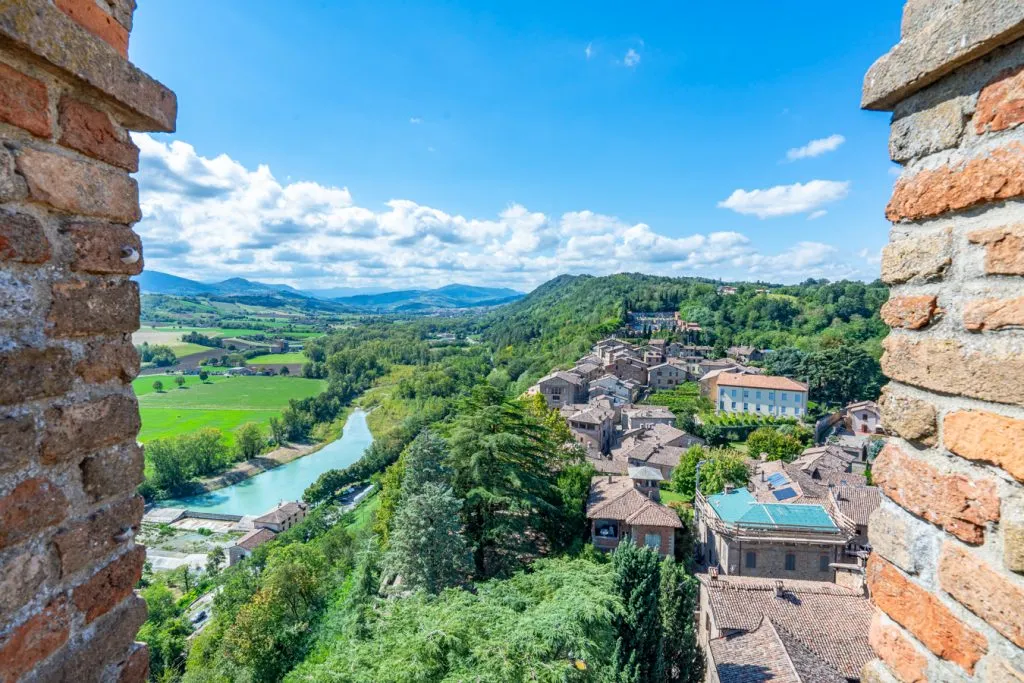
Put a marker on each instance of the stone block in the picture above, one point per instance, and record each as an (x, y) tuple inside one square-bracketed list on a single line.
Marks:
[(80, 187), (997, 176), (136, 667), (22, 238), (113, 471), (1013, 545), (901, 655), (960, 505), (986, 437), (91, 132), (911, 418), (1001, 102), (32, 506), (925, 132), (99, 535), (1004, 249), (88, 15), (18, 442), (12, 185), (110, 585), (910, 312), (979, 588), (994, 314), (98, 248), (35, 640), (29, 374), (85, 426), (82, 308), (109, 360), (22, 572), (24, 102), (924, 615), (921, 258)]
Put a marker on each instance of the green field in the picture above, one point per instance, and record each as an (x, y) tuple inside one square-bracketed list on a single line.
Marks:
[(224, 403), (279, 358)]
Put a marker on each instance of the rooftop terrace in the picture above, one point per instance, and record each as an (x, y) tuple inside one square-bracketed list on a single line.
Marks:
[(740, 508)]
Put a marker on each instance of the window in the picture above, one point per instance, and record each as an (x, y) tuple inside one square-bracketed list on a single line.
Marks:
[(790, 562), (784, 395), (734, 393), (746, 394), (757, 395), (721, 405), (746, 406), (771, 395), (823, 563), (796, 398), (751, 562), (606, 528), (652, 541)]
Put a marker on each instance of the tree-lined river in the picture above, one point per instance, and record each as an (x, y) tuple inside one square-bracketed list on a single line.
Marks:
[(256, 495)]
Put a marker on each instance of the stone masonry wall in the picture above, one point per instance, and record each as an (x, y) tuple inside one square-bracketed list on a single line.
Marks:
[(69, 460), (947, 571)]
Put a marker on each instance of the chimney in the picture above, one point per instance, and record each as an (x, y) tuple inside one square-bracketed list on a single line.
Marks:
[(609, 478), (728, 488), (780, 591)]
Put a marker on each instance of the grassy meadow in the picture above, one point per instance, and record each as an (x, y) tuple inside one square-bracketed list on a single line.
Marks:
[(289, 358)]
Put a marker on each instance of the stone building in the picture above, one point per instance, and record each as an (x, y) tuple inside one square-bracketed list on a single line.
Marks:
[(948, 539), (560, 388), (283, 517), (69, 459), (629, 509)]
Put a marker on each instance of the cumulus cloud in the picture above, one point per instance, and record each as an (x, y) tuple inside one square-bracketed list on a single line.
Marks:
[(212, 218), (816, 147), (815, 215), (632, 58), (785, 200), (415, 120)]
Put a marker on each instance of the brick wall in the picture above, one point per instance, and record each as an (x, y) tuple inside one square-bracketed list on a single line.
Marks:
[(947, 574), (69, 461)]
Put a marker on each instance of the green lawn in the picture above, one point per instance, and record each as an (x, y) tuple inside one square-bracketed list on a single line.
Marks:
[(224, 403), (671, 496), (279, 358)]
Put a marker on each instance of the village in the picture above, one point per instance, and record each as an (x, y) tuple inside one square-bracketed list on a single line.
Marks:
[(781, 559)]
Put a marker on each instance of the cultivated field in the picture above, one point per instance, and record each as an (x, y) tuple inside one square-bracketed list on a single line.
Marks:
[(289, 358), (224, 403)]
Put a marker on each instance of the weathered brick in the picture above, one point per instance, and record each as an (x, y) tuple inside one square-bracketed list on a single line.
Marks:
[(98, 248), (960, 505), (18, 442), (80, 186), (87, 308), (110, 585), (34, 641), (995, 177), (24, 102), (910, 312), (945, 366), (113, 471), (994, 314), (924, 132), (979, 588), (33, 505), (922, 258), (911, 418), (908, 663), (88, 15), (21, 575), (123, 11), (22, 238), (1004, 249), (895, 540), (91, 132), (109, 360), (88, 425), (12, 185), (136, 668), (97, 536), (986, 437), (1013, 545), (1001, 102), (921, 613), (29, 374)]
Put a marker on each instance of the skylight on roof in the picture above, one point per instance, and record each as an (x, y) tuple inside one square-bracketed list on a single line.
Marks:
[(784, 494), (777, 479)]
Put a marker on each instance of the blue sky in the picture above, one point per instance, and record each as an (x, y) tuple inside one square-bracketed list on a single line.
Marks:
[(409, 144)]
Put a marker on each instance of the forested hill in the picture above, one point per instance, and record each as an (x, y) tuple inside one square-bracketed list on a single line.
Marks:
[(559, 320)]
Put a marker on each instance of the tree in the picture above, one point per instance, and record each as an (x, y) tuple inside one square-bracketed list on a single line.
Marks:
[(249, 440), (158, 386), (169, 471), (180, 381), (427, 548), (278, 431), (203, 376), (214, 559), (679, 595), (638, 654), (721, 466), (285, 371), (775, 444)]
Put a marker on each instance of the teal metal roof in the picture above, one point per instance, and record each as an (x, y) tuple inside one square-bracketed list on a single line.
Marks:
[(742, 509)]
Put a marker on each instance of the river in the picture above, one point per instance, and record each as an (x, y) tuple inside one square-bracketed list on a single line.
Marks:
[(256, 495)]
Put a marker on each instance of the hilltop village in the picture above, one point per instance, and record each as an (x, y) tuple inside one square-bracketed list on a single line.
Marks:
[(781, 560)]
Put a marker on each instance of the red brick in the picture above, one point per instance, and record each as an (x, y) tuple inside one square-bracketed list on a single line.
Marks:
[(32, 506), (960, 505), (994, 314), (98, 248), (24, 102), (898, 652), (1004, 249), (995, 177), (88, 308), (18, 442), (910, 312), (979, 588), (89, 425), (91, 132), (80, 187), (110, 585), (921, 613), (113, 471), (88, 15), (109, 360), (34, 641), (98, 536), (29, 374), (1001, 102), (986, 437), (22, 238)]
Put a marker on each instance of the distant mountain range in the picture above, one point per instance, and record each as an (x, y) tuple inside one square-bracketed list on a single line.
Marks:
[(412, 300)]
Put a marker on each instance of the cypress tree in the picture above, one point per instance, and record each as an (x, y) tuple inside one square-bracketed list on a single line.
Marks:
[(638, 651), (684, 660)]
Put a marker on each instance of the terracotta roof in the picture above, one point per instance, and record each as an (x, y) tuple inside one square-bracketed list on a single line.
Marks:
[(607, 465), (658, 412), (769, 653), (731, 379), (618, 499), (281, 513), (646, 473), (586, 368), (830, 621), (857, 502), (255, 538), (593, 415), (570, 377)]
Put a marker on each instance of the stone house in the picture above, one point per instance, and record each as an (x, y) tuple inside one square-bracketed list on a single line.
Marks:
[(619, 391), (244, 546), (283, 517), (744, 354), (760, 395), (636, 417), (589, 370), (852, 506), (561, 387), (627, 508), (628, 368), (665, 376), (593, 427), (863, 417)]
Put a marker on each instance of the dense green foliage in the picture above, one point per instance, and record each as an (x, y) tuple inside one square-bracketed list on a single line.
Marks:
[(157, 354), (720, 466), (836, 375), (775, 443), (638, 653)]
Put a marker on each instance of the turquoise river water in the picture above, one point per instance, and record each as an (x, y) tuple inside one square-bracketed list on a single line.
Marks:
[(256, 495)]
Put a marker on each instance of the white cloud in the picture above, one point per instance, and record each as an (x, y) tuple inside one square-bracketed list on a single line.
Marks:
[(589, 50), (816, 147), (785, 200), (214, 218), (632, 58), (415, 120), (817, 214), (871, 256)]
